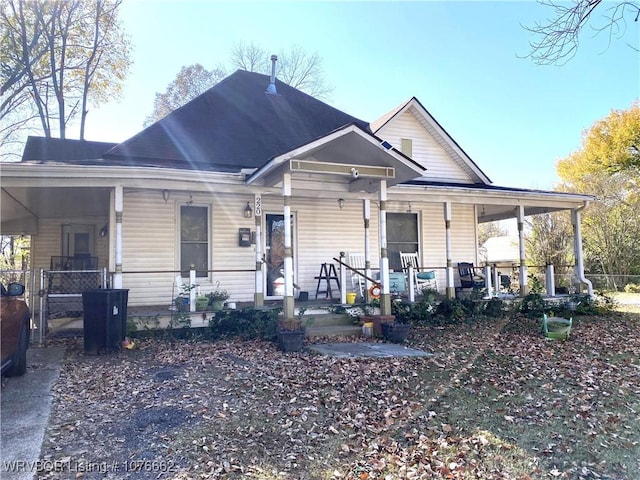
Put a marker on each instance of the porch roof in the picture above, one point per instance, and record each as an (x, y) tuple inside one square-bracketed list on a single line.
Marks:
[(349, 152)]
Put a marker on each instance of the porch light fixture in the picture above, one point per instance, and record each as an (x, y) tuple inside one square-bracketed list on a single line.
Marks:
[(341, 203), (104, 230), (165, 195), (248, 213)]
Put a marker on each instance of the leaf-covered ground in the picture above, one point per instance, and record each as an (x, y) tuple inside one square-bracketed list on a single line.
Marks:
[(496, 401)]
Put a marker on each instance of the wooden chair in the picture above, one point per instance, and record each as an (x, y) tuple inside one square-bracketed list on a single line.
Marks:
[(470, 276), (421, 280), (357, 261)]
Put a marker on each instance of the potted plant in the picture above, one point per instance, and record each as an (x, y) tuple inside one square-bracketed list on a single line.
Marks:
[(395, 331), (182, 300), (291, 333), (217, 299)]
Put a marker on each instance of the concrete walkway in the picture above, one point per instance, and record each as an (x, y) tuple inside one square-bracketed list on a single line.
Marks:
[(362, 350), (25, 405)]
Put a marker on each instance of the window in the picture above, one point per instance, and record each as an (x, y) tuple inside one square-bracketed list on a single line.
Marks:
[(402, 236), (194, 240), (406, 146)]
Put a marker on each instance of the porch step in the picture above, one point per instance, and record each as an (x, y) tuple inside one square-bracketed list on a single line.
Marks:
[(330, 325), (327, 319), (333, 331)]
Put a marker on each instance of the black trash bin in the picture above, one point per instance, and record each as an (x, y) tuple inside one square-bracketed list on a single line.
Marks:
[(105, 319)]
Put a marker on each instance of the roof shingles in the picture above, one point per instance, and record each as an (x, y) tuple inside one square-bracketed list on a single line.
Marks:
[(234, 125)]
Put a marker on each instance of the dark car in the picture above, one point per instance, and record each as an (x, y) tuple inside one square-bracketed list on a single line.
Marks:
[(14, 332)]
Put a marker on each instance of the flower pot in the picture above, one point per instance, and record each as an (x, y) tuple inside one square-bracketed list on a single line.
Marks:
[(217, 305), (395, 332), (291, 340)]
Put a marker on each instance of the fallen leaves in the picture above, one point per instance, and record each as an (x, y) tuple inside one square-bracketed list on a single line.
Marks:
[(490, 404)]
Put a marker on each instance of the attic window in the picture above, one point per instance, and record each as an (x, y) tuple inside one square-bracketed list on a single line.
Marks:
[(406, 146)]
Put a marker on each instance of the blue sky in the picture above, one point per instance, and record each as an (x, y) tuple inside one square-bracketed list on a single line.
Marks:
[(462, 60)]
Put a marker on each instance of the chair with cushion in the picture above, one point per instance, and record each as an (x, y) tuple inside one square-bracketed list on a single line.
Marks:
[(470, 276), (421, 280)]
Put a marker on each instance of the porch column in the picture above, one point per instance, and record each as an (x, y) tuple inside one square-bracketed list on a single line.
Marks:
[(577, 248), (385, 296), (451, 285), (258, 296), (288, 304), (523, 261), (119, 201), (366, 213)]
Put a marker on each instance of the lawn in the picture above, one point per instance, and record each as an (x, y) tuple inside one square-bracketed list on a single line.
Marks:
[(496, 401)]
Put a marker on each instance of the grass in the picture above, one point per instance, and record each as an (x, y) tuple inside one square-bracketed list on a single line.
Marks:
[(496, 401)]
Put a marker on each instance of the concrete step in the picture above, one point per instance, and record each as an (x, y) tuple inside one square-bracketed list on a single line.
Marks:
[(327, 319), (333, 331)]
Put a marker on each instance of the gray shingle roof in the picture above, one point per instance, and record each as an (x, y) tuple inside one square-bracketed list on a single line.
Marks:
[(63, 150), (233, 125)]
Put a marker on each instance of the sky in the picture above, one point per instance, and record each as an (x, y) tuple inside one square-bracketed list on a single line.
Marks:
[(465, 61)]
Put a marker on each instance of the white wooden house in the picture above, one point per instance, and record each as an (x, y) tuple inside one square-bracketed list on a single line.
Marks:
[(211, 184)]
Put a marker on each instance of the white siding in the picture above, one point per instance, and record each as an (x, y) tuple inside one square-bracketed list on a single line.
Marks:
[(48, 241), (426, 150), (322, 231)]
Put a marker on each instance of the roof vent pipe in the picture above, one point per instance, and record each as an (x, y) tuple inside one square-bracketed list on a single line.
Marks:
[(272, 83)]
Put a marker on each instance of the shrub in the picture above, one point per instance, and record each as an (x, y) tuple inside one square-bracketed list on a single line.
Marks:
[(246, 324), (533, 305), (417, 313), (632, 288), (494, 308)]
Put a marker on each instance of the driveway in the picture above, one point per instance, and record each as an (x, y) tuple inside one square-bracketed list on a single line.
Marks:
[(24, 411)]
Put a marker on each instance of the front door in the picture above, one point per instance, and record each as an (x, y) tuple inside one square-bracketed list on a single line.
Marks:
[(274, 249)]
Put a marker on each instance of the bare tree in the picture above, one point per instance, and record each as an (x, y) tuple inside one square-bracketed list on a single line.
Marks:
[(57, 57), (489, 229), (559, 37), (249, 57), (295, 67), (551, 240)]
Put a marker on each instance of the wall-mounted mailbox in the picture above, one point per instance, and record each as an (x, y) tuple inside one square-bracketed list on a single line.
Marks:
[(244, 237)]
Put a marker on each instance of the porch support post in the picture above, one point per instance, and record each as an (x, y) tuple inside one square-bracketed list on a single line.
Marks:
[(119, 202), (577, 249), (343, 280), (258, 296), (451, 286), (550, 280), (385, 297), (487, 281), (366, 213), (288, 303), (523, 261), (496, 280)]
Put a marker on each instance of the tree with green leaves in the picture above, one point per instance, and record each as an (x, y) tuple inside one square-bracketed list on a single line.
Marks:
[(294, 67), (606, 166), (558, 38), (58, 57)]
